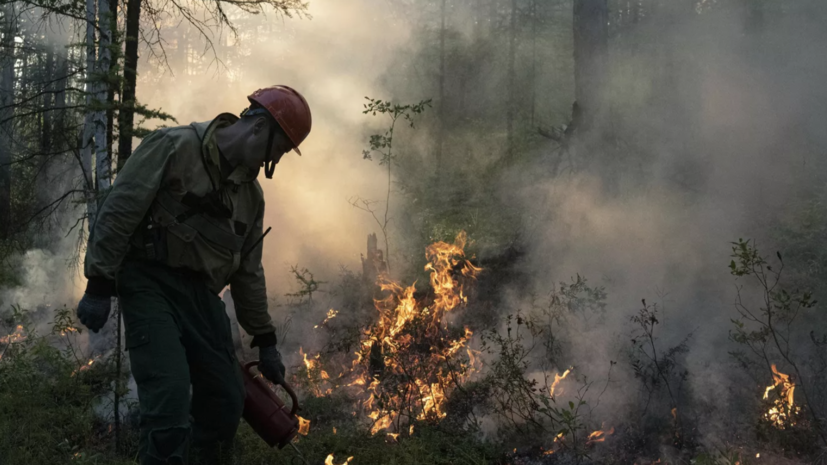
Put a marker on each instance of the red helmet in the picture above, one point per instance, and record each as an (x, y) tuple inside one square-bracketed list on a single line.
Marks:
[(289, 108)]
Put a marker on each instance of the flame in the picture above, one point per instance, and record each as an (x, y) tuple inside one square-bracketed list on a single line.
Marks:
[(304, 426), (783, 408), (556, 439), (69, 329), (393, 436), (15, 336), (86, 366), (557, 379), (329, 460), (410, 360), (334, 430), (315, 373), (331, 314), (599, 435), (411, 430)]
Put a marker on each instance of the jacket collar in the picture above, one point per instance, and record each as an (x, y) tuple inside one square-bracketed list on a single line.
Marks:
[(210, 153)]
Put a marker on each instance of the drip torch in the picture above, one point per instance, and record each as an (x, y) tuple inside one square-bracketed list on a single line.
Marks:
[(266, 413)]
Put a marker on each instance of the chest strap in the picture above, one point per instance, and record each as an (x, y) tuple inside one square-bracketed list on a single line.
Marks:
[(200, 222)]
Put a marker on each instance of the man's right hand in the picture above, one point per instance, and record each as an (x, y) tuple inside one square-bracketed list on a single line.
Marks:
[(270, 364), (93, 310)]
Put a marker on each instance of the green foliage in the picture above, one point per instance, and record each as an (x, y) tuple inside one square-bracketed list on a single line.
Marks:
[(776, 333), (48, 397), (307, 285), (428, 445), (572, 303), (527, 409), (659, 371), (382, 144)]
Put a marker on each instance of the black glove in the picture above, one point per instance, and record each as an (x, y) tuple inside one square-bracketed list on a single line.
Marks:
[(93, 310), (270, 365)]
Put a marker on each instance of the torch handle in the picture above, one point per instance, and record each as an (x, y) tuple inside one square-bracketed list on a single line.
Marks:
[(290, 392)]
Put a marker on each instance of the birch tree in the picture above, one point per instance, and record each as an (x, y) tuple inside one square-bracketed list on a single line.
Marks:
[(102, 149), (87, 138)]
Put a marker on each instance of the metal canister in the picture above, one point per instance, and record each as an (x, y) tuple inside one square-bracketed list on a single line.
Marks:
[(266, 412)]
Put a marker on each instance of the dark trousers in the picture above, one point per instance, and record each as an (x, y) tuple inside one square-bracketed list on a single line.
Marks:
[(181, 353)]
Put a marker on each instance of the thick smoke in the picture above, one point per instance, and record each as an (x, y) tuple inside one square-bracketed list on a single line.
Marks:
[(722, 135)]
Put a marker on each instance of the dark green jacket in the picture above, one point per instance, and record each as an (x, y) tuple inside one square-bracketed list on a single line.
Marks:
[(168, 164)]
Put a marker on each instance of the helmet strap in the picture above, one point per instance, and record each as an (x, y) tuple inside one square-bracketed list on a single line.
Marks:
[(269, 162)]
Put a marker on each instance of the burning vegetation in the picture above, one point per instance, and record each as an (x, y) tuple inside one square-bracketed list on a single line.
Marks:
[(783, 412), (410, 359)]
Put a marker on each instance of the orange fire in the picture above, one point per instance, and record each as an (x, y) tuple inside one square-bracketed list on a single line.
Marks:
[(331, 314), (557, 379), (329, 460), (315, 373), (783, 407), (556, 440), (86, 366), (410, 359), (15, 336), (304, 426), (599, 435)]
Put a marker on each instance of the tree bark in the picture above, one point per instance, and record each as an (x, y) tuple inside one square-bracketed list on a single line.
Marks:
[(111, 85), (511, 94), (127, 112), (7, 60), (534, 20), (441, 129), (102, 156), (87, 138), (591, 33), (48, 113), (59, 120)]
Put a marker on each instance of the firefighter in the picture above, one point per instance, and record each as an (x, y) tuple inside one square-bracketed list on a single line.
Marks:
[(182, 221)]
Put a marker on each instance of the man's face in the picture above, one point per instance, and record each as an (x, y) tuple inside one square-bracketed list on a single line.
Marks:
[(255, 154)]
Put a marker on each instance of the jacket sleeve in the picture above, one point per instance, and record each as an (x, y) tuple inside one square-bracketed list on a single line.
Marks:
[(249, 289), (123, 210)]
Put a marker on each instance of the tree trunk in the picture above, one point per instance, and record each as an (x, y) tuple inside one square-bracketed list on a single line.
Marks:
[(127, 114), (591, 32), (87, 139), (111, 85), (511, 94), (441, 129), (48, 113), (102, 161), (59, 120), (534, 20), (7, 59)]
